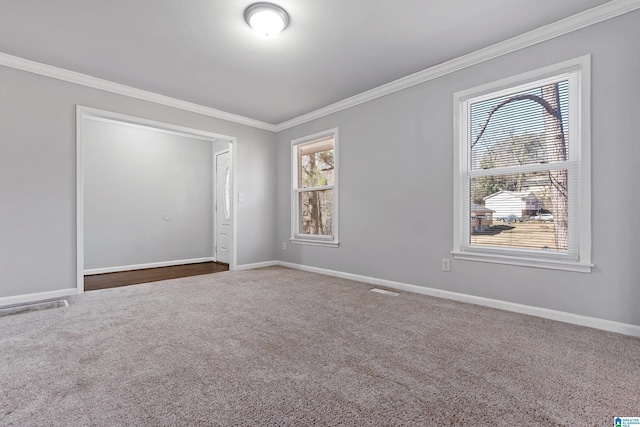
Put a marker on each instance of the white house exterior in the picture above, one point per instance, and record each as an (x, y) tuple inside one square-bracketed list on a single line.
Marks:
[(517, 203)]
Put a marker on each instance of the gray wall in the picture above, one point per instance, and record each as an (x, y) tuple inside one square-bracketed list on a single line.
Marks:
[(147, 196), (396, 184), (37, 177), (220, 145)]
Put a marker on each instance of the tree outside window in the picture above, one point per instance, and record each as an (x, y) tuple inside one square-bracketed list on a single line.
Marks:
[(314, 194), (519, 131)]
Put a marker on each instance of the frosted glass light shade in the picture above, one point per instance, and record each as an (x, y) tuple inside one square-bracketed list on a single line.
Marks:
[(266, 19)]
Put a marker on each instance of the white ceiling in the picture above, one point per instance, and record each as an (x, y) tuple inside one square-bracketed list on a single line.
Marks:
[(203, 52)]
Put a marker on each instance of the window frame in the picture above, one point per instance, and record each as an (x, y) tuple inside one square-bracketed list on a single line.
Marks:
[(314, 239), (578, 258)]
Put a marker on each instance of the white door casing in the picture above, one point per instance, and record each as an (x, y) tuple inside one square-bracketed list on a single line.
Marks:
[(223, 206)]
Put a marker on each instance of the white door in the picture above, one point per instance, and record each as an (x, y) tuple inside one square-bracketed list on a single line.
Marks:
[(223, 206)]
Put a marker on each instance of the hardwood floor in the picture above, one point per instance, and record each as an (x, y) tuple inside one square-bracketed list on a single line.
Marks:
[(134, 277)]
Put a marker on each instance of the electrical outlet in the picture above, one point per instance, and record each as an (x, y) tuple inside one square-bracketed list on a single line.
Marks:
[(446, 264), (284, 246)]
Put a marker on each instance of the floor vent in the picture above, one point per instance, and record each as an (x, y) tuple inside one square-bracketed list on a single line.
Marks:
[(385, 292), (25, 308)]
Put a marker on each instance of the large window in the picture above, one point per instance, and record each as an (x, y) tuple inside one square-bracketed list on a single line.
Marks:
[(315, 193), (522, 170)]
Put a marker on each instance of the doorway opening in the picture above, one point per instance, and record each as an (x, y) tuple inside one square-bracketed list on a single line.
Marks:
[(149, 221)]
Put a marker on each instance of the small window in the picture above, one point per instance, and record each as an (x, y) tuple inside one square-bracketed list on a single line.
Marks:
[(522, 158), (315, 193)]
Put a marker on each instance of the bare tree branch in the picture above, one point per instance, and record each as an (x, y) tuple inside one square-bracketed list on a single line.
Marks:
[(558, 184), (552, 111)]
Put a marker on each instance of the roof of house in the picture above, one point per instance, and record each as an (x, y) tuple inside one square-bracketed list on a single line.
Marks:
[(479, 208), (516, 194)]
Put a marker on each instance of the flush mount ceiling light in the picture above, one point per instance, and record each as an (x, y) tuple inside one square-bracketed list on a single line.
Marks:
[(267, 19)]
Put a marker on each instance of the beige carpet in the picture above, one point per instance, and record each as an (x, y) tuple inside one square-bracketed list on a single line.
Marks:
[(279, 347)]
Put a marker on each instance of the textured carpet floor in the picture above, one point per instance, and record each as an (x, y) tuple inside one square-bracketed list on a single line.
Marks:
[(282, 347)]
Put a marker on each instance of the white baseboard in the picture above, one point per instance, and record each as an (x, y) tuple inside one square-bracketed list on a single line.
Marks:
[(39, 296), (576, 319), (256, 265), (561, 316), (91, 271)]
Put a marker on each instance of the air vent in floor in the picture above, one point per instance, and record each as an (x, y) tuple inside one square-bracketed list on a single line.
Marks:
[(385, 292), (25, 308)]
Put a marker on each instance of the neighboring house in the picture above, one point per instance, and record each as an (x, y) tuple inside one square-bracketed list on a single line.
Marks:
[(516, 203), (481, 218)]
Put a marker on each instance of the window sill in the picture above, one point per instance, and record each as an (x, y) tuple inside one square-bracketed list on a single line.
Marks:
[(524, 262), (327, 243)]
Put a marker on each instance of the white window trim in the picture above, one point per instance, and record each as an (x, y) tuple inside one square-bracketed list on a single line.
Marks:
[(305, 239), (581, 115)]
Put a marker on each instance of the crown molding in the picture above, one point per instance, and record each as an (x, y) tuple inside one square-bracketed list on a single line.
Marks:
[(120, 89), (575, 22), (564, 26)]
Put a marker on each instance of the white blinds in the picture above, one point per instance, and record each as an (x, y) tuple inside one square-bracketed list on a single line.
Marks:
[(522, 168)]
